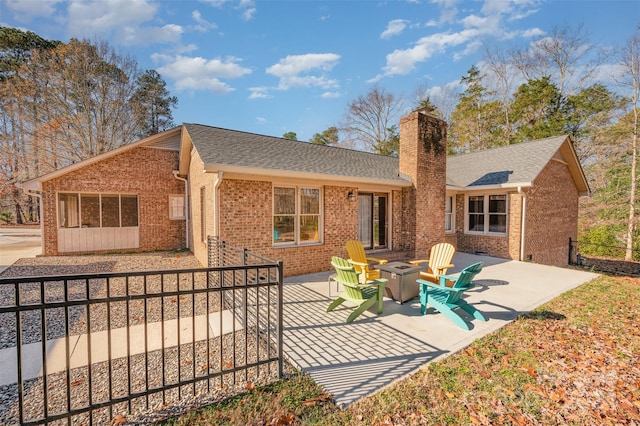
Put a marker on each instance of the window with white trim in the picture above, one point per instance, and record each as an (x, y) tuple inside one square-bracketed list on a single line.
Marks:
[(76, 210), (449, 216), (487, 214), (296, 215), (176, 207)]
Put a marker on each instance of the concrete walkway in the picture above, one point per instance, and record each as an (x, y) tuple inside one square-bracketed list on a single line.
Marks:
[(206, 327), (16, 243), (354, 360)]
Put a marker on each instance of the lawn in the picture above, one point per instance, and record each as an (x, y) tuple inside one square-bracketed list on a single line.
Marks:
[(574, 360)]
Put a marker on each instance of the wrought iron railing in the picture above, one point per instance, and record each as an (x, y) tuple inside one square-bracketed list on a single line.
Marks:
[(91, 348)]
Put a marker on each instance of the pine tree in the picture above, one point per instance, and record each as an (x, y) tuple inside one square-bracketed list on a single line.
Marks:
[(153, 104)]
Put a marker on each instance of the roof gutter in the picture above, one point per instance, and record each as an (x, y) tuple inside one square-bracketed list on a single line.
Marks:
[(523, 217), (212, 168), (186, 205), (516, 186)]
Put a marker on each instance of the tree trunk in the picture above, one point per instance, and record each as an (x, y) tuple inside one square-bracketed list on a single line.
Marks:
[(632, 196)]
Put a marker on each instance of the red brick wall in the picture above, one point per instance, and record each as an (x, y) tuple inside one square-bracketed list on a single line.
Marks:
[(507, 246), (551, 215), (423, 141), (146, 172), (246, 222)]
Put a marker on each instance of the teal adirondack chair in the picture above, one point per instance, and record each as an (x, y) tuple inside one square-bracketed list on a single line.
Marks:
[(446, 298), (362, 295)]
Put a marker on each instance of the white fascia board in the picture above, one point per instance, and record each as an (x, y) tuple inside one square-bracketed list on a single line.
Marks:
[(210, 168), (485, 188)]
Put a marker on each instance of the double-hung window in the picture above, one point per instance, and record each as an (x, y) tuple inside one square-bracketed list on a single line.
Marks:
[(449, 217), (487, 214), (296, 215)]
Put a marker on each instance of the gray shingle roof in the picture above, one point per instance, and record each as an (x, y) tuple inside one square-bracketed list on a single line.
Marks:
[(222, 147), (520, 163), (513, 164)]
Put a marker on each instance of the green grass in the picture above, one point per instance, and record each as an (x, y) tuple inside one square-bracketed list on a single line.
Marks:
[(573, 361)]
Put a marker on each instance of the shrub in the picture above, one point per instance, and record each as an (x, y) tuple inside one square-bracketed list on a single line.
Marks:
[(6, 217)]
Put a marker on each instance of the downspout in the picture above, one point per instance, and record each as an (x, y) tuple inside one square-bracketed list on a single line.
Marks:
[(523, 218), (186, 205), (38, 195), (216, 204)]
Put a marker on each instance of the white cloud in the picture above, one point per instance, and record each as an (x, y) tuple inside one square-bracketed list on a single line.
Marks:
[(196, 73), (123, 19), (27, 9), (259, 93), (330, 95), (446, 3), (143, 36), (202, 24), (216, 3), (305, 70), (515, 10), (523, 14), (89, 17), (248, 9), (401, 62), (261, 120), (448, 13), (532, 32), (248, 14), (474, 21), (394, 27), (470, 48), (490, 22)]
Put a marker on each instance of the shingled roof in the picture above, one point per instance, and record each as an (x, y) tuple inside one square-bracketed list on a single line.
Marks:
[(225, 149), (507, 166)]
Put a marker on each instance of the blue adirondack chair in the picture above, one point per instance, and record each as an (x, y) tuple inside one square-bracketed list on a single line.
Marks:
[(446, 296), (362, 295)]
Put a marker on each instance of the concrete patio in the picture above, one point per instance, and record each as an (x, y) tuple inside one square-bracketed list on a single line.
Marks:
[(354, 360)]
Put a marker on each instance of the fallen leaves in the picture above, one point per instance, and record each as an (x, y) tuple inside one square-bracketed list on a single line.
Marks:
[(317, 400), (118, 420)]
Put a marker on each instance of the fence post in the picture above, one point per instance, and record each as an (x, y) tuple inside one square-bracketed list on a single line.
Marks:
[(280, 318)]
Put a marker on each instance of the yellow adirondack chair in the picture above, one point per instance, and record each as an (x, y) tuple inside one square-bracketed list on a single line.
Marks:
[(363, 296), (360, 261), (439, 261)]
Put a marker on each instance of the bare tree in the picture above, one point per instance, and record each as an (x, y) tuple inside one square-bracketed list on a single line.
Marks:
[(500, 65), (370, 120), (89, 90), (630, 62), (565, 55)]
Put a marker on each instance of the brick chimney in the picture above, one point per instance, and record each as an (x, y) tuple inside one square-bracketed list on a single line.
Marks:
[(423, 159)]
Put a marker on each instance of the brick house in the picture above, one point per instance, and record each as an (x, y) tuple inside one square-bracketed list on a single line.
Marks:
[(300, 202)]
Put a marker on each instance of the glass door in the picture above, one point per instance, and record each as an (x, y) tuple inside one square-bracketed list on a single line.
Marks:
[(372, 220)]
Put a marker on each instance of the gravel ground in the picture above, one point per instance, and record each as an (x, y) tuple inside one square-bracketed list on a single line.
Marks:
[(147, 371)]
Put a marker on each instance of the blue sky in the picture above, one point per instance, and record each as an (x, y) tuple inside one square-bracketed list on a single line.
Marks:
[(271, 67)]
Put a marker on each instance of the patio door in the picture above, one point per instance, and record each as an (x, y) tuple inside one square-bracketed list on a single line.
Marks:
[(372, 220)]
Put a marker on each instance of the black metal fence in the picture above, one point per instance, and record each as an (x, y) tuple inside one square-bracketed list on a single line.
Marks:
[(586, 255), (141, 346)]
